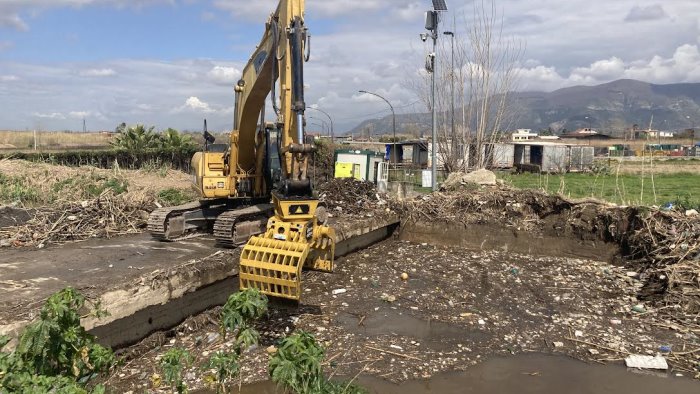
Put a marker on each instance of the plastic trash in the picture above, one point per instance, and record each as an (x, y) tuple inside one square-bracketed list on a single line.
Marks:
[(646, 362)]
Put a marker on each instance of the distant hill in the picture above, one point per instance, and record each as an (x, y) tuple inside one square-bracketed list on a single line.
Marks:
[(609, 108)]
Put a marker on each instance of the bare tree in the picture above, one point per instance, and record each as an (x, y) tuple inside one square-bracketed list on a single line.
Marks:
[(485, 74)]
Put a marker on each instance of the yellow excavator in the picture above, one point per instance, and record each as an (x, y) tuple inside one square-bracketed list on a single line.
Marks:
[(256, 188)]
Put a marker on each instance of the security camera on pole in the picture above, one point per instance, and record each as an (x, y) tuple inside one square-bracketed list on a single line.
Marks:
[(432, 20)]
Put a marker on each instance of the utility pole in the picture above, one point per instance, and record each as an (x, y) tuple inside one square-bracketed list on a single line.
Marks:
[(432, 21), (452, 92)]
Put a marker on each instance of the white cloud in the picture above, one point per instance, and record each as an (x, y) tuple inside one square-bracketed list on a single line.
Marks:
[(51, 115), (9, 78), (682, 66), (600, 70), (195, 104), (78, 114), (224, 75), (98, 72)]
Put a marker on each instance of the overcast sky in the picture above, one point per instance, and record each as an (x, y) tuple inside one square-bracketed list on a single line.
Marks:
[(170, 63)]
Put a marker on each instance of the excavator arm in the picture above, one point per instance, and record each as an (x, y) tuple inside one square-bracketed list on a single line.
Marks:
[(272, 262)]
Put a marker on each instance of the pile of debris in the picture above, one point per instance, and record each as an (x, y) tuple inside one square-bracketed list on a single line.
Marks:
[(349, 196), (662, 248), (666, 250), (106, 216)]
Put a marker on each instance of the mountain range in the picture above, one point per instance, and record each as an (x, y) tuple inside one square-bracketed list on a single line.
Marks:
[(609, 108)]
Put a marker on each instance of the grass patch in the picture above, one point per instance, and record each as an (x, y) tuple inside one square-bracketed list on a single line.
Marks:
[(16, 188), (29, 191), (681, 189), (87, 187), (172, 196)]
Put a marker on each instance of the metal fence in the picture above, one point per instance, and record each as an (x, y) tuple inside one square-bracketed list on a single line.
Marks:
[(412, 176)]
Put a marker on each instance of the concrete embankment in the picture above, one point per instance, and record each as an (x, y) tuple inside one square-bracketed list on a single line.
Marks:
[(144, 285)]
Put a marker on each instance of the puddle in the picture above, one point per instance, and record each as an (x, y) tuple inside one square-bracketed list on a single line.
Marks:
[(392, 323), (532, 373)]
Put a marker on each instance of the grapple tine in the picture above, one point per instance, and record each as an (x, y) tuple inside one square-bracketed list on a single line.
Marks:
[(273, 266)]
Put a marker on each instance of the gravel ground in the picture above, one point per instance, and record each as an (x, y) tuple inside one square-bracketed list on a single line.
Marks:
[(457, 308)]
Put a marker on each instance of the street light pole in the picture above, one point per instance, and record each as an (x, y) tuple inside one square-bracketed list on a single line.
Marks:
[(393, 122), (329, 118), (324, 124), (432, 22), (452, 88)]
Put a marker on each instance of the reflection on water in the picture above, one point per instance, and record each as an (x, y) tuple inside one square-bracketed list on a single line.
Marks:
[(533, 373)]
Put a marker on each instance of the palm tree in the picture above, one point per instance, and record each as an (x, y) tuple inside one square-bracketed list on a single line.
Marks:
[(136, 139)]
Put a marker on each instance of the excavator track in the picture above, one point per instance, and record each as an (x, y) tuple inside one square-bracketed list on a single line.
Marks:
[(234, 227), (158, 220)]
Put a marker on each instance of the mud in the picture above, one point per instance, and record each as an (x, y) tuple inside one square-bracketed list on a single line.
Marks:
[(12, 216), (521, 374), (497, 237)]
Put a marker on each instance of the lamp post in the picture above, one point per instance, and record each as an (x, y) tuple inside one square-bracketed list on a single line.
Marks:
[(324, 124), (329, 119), (393, 121), (319, 125), (432, 22), (452, 88)]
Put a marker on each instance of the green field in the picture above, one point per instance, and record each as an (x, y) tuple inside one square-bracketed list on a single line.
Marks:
[(681, 188)]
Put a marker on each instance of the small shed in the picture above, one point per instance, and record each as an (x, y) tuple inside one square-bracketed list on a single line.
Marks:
[(499, 155), (358, 164)]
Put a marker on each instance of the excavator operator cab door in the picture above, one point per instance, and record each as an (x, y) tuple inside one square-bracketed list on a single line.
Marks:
[(273, 167)]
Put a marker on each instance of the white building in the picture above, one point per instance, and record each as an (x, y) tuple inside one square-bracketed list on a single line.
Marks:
[(523, 135)]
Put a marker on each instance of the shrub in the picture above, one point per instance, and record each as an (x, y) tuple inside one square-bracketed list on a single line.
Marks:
[(174, 361), (297, 366), (55, 353), (173, 196)]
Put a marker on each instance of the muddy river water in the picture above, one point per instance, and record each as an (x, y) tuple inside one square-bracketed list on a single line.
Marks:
[(529, 373)]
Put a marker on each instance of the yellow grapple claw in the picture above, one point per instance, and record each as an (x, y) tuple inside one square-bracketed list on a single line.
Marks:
[(273, 266)]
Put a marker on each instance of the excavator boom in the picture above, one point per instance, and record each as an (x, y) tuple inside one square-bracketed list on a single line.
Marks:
[(272, 262), (240, 196)]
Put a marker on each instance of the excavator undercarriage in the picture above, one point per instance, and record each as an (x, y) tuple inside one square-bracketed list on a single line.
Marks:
[(231, 222)]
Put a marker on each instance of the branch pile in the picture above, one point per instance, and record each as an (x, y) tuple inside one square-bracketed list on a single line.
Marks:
[(510, 207), (349, 196), (667, 247), (106, 216)]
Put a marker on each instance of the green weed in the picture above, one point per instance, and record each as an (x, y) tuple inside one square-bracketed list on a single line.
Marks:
[(297, 367), (55, 353), (226, 369), (174, 361), (16, 189), (172, 196)]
